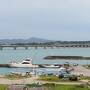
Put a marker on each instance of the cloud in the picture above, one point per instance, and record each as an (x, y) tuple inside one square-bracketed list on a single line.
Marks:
[(39, 17)]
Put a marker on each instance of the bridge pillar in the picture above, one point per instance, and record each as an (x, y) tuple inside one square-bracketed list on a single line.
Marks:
[(1, 48), (26, 48), (36, 47), (58, 47), (52, 47), (86, 46), (15, 48), (44, 47)]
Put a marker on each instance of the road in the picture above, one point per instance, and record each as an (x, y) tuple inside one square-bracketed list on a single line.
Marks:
[(78, 70)]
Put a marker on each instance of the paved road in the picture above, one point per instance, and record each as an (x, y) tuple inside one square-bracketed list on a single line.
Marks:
[(81, 70)]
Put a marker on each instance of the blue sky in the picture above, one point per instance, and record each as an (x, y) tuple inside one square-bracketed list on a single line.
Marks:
[(50, 19)]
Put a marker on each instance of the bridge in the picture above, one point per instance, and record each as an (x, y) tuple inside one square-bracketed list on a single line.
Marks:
[(46, 46), (25, 46)]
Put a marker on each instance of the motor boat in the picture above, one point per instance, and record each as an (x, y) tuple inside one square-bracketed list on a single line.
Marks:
[(50, 66), (25, 63)]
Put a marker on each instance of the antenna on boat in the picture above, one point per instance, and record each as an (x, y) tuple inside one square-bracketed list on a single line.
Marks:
[(33, 59)]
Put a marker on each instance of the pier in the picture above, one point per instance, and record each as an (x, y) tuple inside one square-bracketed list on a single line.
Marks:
[(45, 46)]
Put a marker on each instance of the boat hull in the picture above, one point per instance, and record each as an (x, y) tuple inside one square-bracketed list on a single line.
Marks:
[(22, 65)]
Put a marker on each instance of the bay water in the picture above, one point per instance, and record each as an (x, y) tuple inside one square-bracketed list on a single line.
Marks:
[(9, 54)]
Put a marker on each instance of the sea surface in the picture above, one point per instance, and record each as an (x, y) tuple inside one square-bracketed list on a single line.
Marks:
[(9, 54)]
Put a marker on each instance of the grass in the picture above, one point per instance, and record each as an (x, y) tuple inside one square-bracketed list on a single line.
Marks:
[(84, 78), (69, 87), (15, 77), (53, 78), (87, 66), (52, 86), (49, 78), (3, 87)]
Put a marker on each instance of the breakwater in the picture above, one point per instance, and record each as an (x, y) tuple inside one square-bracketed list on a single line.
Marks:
[(4, 65), (67, 57)]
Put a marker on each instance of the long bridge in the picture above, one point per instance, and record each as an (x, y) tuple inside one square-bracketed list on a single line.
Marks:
[(46, 46)]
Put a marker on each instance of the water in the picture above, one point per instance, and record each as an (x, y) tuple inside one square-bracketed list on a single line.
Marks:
[(8, 54)]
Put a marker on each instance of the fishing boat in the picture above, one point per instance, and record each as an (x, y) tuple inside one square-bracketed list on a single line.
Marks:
[(25, 63)]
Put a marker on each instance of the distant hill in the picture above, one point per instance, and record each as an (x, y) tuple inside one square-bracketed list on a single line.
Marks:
[(35, 40), (30, 40)]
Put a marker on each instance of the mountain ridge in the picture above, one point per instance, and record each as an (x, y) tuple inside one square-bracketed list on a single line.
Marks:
[(29, 40)]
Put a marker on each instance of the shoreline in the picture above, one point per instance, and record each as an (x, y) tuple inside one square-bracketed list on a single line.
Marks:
[(78, 70)]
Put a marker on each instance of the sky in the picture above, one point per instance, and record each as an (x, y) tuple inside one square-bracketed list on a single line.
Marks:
[(49, 19)]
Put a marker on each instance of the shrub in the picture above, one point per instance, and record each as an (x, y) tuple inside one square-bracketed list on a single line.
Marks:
[(73, 78), (49, 78)]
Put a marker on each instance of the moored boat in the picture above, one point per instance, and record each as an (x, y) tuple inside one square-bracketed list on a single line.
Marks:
[(25, 63), (50, 66)]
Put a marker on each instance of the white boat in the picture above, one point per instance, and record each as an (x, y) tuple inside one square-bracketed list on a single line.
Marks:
[(50, 66), (26, 63)]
